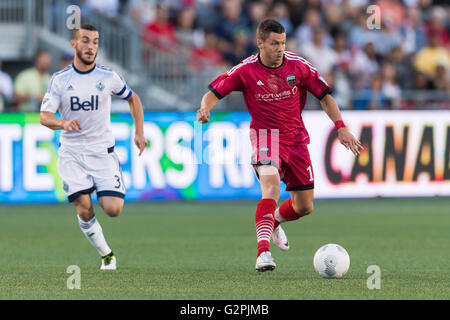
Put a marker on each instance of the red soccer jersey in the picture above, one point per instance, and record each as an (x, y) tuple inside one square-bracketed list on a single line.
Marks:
[(275, 97)]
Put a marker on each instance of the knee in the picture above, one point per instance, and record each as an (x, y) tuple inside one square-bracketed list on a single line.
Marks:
[(303, 209), (85, 213), (113, 210), (111, 206), (273, 191)]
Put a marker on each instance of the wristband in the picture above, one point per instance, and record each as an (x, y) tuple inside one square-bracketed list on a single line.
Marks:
[(339, 124)]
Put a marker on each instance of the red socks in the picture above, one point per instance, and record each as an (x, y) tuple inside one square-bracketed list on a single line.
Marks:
[(264, 220), (286, 213)]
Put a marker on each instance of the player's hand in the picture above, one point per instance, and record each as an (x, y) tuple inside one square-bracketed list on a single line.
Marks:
[(203, 115), (349, 141), (70, 125), (140, 142)]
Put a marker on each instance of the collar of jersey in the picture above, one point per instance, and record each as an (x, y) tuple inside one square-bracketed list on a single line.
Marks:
[(83, 72), (271, 68)]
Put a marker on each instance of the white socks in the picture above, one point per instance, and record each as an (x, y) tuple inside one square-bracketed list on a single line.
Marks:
[(94, 233)]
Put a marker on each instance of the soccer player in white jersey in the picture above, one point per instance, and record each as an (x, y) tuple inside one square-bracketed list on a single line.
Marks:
[(82, 93)]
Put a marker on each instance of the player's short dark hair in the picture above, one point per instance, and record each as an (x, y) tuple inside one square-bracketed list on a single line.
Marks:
[(267, 26), (84, 26)]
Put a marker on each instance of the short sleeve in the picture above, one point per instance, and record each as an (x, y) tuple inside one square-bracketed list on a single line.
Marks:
[(314, 82), (227, 82), (119, 87), (52, 98)]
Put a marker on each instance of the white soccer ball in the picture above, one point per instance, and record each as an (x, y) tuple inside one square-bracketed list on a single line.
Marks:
[(331, 261)]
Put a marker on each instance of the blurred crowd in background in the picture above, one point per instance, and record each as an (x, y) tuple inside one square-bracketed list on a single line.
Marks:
[(386, 67)]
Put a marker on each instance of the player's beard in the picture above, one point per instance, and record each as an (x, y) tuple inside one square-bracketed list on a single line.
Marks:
[(80, 56)]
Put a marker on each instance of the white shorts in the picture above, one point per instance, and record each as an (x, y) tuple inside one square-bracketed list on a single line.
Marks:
[(84, 173)]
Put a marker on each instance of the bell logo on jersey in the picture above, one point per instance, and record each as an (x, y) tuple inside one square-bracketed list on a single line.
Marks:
[(88, 105)]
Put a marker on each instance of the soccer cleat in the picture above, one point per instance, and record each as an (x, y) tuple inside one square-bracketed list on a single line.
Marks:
[(280, 239), (265, 262), (109, 262)]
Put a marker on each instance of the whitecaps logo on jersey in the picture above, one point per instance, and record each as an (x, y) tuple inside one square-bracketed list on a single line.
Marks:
[(100, 86)]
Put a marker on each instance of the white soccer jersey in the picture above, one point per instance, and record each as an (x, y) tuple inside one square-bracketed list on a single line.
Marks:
[(85, 96)]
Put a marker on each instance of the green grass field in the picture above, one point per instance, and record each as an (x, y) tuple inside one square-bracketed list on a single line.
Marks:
[(206, 250)]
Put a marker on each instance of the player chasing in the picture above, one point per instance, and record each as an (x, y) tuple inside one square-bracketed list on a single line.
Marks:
[(275, 83), (87, 162)]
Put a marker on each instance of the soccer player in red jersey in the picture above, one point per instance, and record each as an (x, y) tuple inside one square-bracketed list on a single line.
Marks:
[(275, 83)]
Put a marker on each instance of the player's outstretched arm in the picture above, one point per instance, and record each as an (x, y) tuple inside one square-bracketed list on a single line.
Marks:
[(49, 120), (209, 101), (331, 108), (138, 116)]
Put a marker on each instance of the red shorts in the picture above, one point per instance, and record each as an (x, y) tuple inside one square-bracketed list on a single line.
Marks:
[(293, 163)]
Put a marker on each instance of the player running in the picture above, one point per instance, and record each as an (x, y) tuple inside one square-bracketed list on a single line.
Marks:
[(87, 162), (275, 83)]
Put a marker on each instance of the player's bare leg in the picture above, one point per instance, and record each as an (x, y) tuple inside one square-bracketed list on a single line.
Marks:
[(303, 202), (111, 205), (84, 208), (93, 231), (269, 179), (264, 218)]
